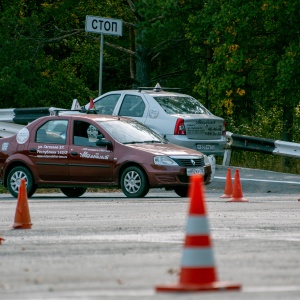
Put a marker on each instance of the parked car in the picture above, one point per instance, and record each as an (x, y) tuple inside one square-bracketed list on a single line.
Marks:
[(179, 118), (76, 151)]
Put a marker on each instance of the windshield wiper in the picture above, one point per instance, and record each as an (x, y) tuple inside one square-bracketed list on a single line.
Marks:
[(134, 142), (153, 141)]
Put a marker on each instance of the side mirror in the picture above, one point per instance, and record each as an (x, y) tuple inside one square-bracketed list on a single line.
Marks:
[(103, 142)]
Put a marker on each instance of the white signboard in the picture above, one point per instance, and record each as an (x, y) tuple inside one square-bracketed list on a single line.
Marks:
[(103, 25)]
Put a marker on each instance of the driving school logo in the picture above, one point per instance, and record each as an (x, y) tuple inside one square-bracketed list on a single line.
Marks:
[(85, 154)]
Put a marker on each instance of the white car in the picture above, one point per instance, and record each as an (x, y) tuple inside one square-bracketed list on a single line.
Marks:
[(179, 118)]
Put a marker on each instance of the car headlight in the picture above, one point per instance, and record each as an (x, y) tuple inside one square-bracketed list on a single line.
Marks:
[(164, 161)]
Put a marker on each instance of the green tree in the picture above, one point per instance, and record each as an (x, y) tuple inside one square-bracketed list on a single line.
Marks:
[(247, 54), (47, 58)]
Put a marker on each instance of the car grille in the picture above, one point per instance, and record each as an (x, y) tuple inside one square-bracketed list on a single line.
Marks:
[(190, 162)]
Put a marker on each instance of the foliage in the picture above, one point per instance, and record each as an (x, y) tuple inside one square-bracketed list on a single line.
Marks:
[(239, 58), (248, 54), (48, 59)]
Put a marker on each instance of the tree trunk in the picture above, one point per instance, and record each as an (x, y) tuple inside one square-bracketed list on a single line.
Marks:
[(142, 75), (287, 134), (287, 123), (132, 57), (209, 54)]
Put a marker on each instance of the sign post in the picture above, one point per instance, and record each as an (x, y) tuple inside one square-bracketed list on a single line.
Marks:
[(101, 65), (102, 26)]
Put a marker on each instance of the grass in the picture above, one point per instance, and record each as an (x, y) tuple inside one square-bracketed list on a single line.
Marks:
[(4, 190), (256, 160)]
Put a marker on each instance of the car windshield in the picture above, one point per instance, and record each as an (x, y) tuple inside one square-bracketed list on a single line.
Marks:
[(181, 105), (131, 132)]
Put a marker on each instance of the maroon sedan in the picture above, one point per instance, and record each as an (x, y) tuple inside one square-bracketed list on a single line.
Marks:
[(76, 151)]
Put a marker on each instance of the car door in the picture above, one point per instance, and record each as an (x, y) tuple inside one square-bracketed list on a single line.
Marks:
[(87, 161), (134, 106), (49, 151), (106, 104)]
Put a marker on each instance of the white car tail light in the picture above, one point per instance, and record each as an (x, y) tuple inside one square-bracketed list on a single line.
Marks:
[(179, 127)]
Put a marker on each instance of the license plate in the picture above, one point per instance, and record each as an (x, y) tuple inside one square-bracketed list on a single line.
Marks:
[(205, 147), (192, 171)]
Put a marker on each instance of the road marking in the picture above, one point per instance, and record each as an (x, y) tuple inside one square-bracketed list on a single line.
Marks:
[(270, 289), (164, 237), (84, 294), (262, 180)]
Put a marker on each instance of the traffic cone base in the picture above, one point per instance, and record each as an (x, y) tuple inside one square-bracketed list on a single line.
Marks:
[(237, 200), (198, 271), (228, 186), (237, 194), (226, 196), (22, 216), (22, 226), (213, 286)]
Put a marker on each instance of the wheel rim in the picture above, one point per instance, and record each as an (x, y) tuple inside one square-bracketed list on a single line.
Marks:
[(132, 182), (15, 180)]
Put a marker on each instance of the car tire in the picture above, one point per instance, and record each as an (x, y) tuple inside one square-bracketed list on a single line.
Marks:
[(134, 182), (14, 181), (181, 191), (73, 192)]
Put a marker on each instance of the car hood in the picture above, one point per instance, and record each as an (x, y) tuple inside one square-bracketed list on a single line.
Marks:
[(165, 149)]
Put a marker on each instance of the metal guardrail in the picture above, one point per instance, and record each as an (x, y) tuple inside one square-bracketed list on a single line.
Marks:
[(13, 119), (8, 129), (256, 144), (25, 115), (7, 114)]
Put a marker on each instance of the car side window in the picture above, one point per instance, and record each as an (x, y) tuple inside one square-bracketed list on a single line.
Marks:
[(106, 105), (132, 106), (52, 132), (84, 134)]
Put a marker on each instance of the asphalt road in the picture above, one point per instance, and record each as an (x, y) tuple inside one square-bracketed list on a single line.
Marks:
[(107, 246)]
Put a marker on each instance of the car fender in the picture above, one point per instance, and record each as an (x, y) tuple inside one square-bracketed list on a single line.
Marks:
[(124, 164), (18, 160)]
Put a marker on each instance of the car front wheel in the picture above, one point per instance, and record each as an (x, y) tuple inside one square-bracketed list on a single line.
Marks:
[(134, 183), (14, 180), (73, 192)]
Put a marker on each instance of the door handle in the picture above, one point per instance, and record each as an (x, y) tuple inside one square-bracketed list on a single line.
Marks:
[(74, 153), (32, 150)]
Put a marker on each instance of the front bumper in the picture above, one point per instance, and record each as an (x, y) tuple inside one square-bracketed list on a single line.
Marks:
[(171, 179)]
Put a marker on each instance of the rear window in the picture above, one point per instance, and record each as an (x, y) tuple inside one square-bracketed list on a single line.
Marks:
[(181, 105)]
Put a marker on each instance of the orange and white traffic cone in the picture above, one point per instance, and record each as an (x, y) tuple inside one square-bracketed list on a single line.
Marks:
[(228, 185), (22, 216), (198, 272), (237, 194)]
